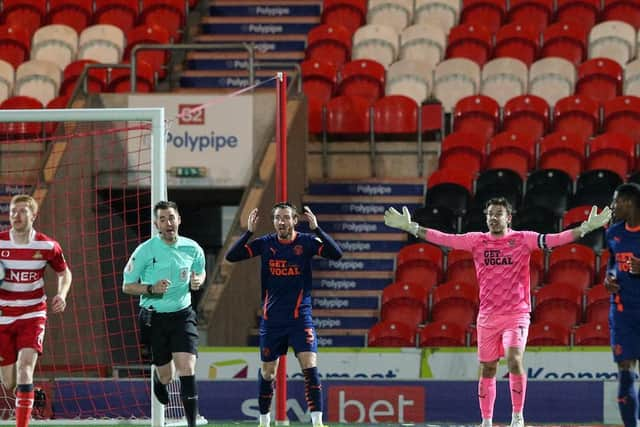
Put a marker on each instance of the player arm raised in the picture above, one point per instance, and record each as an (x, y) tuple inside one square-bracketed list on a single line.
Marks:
[(241, 249), (329, 249), (402, 221)]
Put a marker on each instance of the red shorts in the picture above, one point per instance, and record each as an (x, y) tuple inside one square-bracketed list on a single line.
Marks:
[(23, 333), (496, 333)]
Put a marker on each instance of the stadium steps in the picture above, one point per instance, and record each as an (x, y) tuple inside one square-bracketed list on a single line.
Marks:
[(352, 212), (276, 28)]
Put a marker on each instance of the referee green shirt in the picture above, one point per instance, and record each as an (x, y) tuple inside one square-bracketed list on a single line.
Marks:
[(155, 260)]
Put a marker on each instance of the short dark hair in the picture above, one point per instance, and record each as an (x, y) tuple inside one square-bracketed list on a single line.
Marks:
[(499, 201), (629, 191), (284, 205), (164, 204)]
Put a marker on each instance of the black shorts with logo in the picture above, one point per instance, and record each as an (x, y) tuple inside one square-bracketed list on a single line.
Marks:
[(175, 332)]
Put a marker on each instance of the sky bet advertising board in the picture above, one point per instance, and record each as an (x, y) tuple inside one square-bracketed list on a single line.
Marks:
[(206, 147)]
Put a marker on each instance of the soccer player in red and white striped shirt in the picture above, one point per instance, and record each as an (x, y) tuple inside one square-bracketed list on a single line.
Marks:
[(25, 253)]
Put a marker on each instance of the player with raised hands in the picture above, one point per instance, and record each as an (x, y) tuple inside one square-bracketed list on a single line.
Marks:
[(501, 259), (286, 299)]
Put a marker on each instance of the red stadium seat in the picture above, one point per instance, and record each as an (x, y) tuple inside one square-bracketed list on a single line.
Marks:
[(518, 41), (558, 302), (477, 114), (526, 114), (348, 115), (583, 12), (15, 44), (419, 263), (536, 268), (395, 115), (487, 13), (577, 114), (535, 13), (512, 150), (599, 79), (611, 151), (319, 79), (597, 304), (331, 43), (573, 264), (350, 13), (455, 302), (471, 41), (562, 151), (622, 10), (364, 78), (121, 79), (28, 14), (602, 270), (442, 334), (149, 34), (463, 150), (391, 334), (58, 102), (592, 333), (168, 14), (405, 302), (566, 40), (622, 115), (460, 267), (548, 334), (74, 13), (96, 77), (20, 130), (314, 115), (121, 13)]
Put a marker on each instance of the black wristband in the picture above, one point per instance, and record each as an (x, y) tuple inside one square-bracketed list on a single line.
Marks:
[(150, 289)]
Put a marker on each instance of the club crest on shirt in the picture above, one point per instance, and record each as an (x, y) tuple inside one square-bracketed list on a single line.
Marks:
[(37, 255), (512, 242), (184, 274), (298, 250)]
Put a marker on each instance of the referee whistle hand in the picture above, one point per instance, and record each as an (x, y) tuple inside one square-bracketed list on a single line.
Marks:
[(161, 286), (195, 282)]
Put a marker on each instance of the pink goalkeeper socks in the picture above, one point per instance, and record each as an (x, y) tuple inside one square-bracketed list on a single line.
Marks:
[(518, 387), (487, 396)]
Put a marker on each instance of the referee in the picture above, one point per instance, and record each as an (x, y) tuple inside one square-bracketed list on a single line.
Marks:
[(163, 270)]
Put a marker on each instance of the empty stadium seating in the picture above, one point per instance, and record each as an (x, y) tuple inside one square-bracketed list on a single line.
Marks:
[(421, 264)]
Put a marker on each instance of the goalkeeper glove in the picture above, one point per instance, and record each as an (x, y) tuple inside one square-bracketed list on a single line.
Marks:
[(595, 220), (395, 219)]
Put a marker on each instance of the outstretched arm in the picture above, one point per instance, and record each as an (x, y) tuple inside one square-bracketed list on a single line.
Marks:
[(402, 221), (593, 222)]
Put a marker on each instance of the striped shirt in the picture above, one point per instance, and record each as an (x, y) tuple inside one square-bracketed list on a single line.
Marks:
[(22, 292)]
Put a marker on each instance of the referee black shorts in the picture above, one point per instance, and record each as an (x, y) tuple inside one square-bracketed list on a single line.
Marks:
[(175, 332)]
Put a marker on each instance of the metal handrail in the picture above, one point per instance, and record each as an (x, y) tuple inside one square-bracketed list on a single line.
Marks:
[(192, 46), (297, 79)]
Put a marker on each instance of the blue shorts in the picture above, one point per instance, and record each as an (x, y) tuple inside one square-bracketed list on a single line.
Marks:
[(625, 334), (276, 337)]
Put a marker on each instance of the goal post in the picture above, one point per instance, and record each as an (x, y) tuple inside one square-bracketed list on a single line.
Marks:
[(96, 173)]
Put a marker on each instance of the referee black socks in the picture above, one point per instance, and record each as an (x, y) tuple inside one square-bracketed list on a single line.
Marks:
[(189, 396)]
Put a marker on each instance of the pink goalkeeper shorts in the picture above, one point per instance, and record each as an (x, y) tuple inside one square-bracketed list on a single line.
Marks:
[(496, 333)]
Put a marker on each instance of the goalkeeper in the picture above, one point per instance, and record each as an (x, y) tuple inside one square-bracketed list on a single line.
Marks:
[(501, 259)]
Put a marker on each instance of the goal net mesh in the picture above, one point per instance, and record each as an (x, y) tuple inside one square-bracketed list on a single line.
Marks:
[(92, 182)]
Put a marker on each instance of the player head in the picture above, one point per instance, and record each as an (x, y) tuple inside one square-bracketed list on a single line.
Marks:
[(167, 220), (498, 211), (626, 202), (285, 218), (23, 210)]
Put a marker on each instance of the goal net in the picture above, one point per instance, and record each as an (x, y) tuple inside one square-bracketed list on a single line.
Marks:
[(96, 174)]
